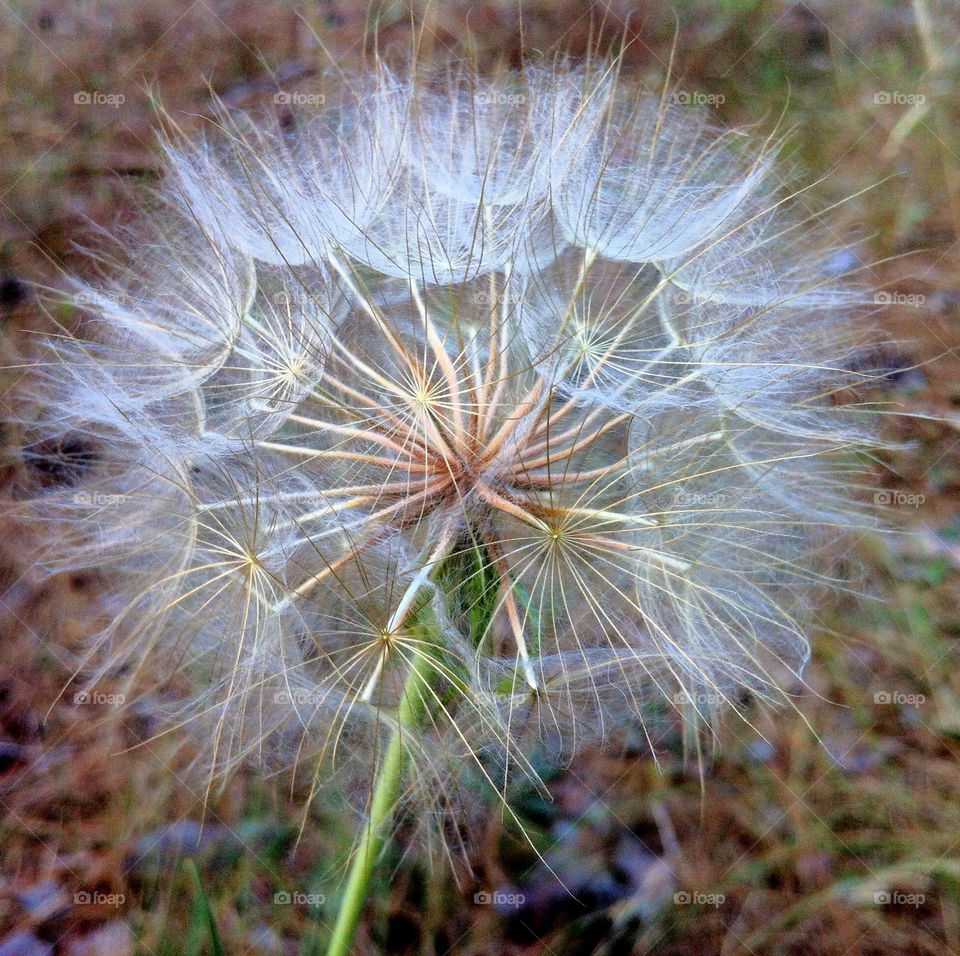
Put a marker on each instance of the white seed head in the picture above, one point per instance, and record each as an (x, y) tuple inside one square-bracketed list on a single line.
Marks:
[(528, 377)]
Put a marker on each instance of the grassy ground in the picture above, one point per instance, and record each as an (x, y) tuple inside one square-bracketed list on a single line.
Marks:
[(834, 832)]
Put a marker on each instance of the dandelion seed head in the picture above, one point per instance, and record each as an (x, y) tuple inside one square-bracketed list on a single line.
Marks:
[(526, 377)]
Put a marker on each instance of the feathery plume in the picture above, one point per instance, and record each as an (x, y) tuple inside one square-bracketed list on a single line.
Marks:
[(466, 413)]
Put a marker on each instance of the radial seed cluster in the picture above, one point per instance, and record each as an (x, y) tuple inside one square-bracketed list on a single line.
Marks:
[(525, 381)]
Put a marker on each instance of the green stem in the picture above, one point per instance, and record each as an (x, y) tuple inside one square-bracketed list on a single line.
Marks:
[(384, 799)]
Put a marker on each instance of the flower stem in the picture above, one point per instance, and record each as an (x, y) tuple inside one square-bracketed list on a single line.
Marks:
[(381, 807)]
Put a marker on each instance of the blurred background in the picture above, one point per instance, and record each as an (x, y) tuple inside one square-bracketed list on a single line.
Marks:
[(830, 829)]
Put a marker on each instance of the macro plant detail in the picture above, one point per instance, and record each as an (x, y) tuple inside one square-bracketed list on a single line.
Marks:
[(468, 414)]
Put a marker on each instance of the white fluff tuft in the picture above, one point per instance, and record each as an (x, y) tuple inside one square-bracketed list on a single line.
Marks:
[(529, 377)]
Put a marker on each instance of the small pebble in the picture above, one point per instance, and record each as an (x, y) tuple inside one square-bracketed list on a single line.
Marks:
[(114, 939), (165, 847), (761, 751), (22, 943), (43, 901)]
